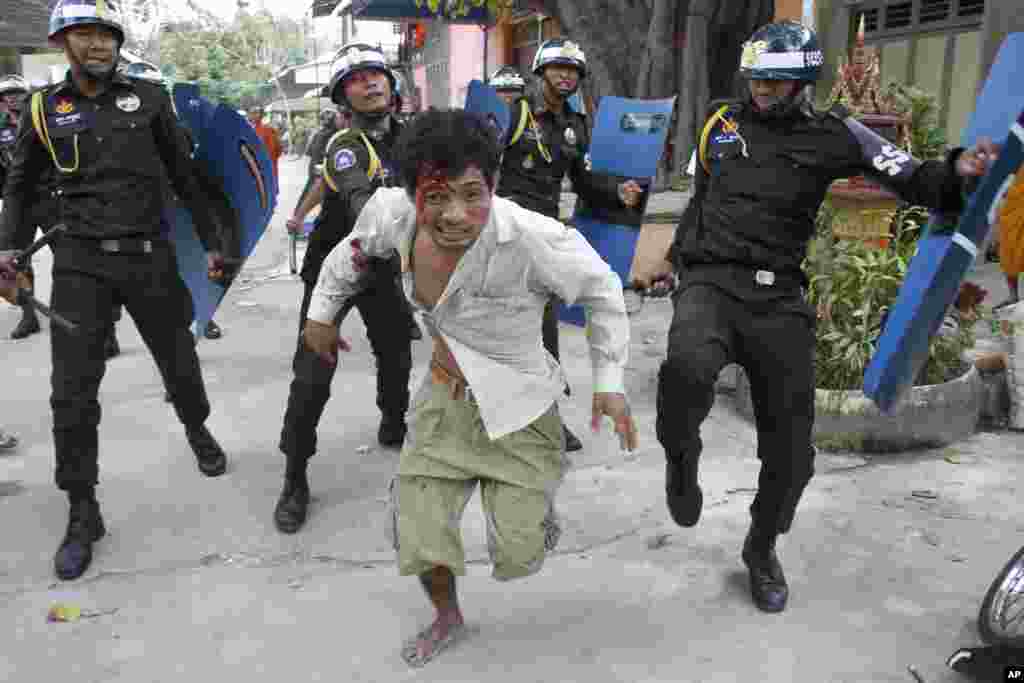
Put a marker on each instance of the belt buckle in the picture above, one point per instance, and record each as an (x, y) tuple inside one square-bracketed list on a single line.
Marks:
[(765, 278), (110, 245)]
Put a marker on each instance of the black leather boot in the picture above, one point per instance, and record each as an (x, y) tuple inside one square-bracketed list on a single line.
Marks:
[(111, 348), (28, 325), (768, 585), (85, 527), (209, 455), (682, 490), (212, 331), (392, 431), (571, 442), (293, 504)]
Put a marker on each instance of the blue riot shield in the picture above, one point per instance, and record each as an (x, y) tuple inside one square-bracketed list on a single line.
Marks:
[(934, 276), (194, 111), (627, 143), (230, 152), (933, 281), (1001, 97), (482, 99)]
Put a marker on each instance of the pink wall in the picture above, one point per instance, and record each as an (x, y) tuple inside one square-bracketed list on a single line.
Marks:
[(466, 60), (419, 77)]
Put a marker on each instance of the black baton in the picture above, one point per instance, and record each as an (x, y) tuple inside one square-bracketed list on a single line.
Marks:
[(21, 264)]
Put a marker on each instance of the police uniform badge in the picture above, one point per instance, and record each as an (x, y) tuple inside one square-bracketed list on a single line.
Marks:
[(570, 136), (344, 159), (528, 162), (752, 52), (128, 103)]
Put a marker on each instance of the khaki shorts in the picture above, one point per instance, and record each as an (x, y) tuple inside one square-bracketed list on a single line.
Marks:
[(446, 453)]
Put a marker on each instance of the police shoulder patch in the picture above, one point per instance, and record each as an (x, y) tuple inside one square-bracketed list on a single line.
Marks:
[(344, 158)]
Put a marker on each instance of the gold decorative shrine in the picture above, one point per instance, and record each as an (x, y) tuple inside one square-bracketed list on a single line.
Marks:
[(864, 209)]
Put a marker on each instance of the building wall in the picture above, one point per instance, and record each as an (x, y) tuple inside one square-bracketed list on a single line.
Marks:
[(467, 61), (949, 58)]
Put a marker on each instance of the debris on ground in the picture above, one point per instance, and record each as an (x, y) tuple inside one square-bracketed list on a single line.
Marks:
[(66, 613), (657, 541), (924, 493)]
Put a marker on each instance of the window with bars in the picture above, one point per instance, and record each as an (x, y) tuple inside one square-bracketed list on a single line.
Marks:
[(934, 10), (883, 18)]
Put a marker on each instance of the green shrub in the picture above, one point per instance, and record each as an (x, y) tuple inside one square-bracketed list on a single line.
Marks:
[(853, 287)]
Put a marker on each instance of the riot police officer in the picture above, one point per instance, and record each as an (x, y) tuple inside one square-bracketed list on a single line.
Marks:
[(112, 143), (13, 91), (357, 161), (552, 141), (766, 162), (508, 83)]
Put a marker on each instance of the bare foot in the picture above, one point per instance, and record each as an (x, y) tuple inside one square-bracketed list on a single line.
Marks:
[(446, 630)]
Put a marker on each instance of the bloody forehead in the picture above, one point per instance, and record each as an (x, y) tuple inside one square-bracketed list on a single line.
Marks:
[(433, 175)]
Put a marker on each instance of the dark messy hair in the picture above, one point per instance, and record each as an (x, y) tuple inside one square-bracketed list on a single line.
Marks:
[(447, 141)]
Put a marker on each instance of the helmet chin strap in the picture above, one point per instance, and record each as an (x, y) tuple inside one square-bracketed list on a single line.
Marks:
[(370, 119), (783, 108)]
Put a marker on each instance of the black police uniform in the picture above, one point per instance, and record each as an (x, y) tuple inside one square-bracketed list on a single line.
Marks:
[(317, 148), (738, 251), (382, 305), (118, 150), (534, 165)]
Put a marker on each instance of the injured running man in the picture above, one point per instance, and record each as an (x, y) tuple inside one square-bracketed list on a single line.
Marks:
[(479, 269)]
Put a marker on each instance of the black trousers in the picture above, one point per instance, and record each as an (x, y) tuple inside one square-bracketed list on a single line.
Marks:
[(88, 285), (387, 317), (775, 346)]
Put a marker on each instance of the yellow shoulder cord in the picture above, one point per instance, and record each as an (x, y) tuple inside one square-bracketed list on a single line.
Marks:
[(526, 118), (374, 159), (702, 148), (39, 123)]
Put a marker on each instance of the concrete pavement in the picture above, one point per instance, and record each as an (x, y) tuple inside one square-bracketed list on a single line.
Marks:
[(193, 583)]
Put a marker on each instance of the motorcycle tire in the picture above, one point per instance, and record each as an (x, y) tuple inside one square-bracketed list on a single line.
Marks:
[(1005, 594)]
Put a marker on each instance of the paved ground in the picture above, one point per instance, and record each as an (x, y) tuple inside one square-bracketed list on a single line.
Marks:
[(193, 583)]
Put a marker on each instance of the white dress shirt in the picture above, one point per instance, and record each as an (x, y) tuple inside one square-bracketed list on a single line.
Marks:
[(490, 312)]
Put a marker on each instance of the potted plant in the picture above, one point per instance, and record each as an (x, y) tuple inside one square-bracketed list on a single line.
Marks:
[(852, 286)]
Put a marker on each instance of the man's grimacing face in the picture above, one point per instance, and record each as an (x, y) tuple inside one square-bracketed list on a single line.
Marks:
[(453, 210)]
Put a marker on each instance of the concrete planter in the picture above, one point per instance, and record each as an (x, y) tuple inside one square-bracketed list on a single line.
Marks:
[(930, 416)]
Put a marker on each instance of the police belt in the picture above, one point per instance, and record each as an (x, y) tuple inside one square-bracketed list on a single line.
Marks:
[(744, 275), (122, 245)]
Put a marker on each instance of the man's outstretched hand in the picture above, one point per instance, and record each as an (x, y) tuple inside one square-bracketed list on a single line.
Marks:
[(616, 407), (324, 341), (11, 280)]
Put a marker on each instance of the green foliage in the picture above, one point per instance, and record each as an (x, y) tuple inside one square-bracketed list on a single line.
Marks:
[(233, 62), (927, 137), (453, 9), (852, 287)]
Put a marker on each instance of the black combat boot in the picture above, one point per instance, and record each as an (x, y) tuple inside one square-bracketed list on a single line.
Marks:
[(209, 455), (682, 489), (111, 348), (571, 442), (391, 433), (768, 585), (213, 331), (85, 527), (293, 504), (28, 325)]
